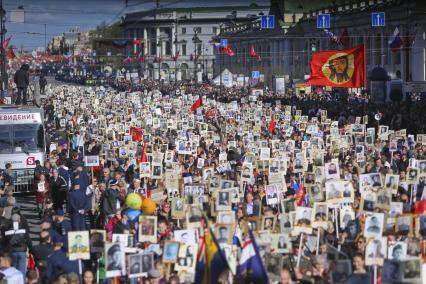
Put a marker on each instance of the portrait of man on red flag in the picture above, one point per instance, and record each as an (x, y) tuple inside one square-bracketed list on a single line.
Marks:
[(338, 68)]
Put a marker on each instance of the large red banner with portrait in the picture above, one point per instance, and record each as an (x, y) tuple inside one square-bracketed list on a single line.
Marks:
[(338, 68)]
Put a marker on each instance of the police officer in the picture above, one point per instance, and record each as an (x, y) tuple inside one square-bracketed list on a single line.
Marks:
[(62, 226), (78, 205), (58, 263)]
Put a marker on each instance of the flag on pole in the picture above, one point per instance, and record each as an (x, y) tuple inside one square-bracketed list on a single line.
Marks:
[(395, 42), (144, 158), (338, 68), (272, 125), (6, 42), (198, 103), (251, 265), (253, 54), (136, 133), (10, 54), (331, 36), (216, 262)]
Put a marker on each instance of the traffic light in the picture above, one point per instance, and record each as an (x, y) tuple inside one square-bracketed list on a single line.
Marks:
[(313, 47)]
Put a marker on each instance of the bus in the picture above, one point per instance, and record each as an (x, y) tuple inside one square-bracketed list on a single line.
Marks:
[(22, 142)]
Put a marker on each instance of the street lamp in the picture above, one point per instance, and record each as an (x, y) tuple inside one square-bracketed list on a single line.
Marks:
[(3, 31), (195, 40)]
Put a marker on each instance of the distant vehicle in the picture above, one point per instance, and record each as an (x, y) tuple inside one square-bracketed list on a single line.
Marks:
[(22, 142)]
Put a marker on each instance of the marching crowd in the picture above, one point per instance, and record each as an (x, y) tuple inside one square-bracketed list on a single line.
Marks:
[(194, 184)]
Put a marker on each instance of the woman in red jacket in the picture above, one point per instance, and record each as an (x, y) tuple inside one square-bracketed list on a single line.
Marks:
[(42, 193)]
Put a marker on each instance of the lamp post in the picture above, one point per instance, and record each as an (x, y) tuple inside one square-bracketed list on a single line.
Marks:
[(196, 40), (3, 85), (176, 42)]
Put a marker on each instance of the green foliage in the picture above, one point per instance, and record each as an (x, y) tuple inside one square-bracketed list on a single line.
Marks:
[(101, 41)]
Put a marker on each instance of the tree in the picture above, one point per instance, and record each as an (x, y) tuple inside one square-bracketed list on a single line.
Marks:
[(101, 40)]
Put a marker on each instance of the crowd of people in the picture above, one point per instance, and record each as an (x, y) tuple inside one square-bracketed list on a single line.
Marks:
[(195, 184)]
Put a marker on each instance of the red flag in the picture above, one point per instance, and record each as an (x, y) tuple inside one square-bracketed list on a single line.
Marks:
[(420, 206), (136, 133), (10, 54), (31, 263), (227, 50), (144, 158), (198, 103), (344, 39), (6, 42), (253, 54), (272, 125), (339, 68), (136, 42), (300, 195)]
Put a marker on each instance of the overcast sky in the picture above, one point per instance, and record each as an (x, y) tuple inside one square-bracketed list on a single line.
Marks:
[(61, 15)]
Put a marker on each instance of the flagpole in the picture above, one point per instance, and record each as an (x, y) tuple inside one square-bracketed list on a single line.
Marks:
[(300, 250)]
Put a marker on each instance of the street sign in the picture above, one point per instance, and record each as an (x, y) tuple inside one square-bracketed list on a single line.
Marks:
[(223, 42), (255, 74), (378, 19), (414, 87), (323, 21), (268, 22)]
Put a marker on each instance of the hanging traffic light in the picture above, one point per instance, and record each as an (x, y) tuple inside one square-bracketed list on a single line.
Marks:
[(313, 47)]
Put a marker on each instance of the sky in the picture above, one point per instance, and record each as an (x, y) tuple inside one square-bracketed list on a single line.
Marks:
[(58, 16)]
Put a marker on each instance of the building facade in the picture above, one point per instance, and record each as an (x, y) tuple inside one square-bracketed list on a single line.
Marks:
[(178, 41), (287, 49)]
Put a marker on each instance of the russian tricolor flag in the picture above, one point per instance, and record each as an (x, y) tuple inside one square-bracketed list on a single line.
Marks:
[(395, 42)]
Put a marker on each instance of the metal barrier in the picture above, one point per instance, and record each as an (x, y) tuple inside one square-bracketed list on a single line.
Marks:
[(23, 180)]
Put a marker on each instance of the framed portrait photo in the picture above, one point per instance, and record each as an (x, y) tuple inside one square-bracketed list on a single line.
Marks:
[(226, 217), (115, 259), (223, 200), (374, 224), (78, 245), (281, 243), (375, 251), (147, 229), (268, 223), (97, 241), (171, 250), (223, 233)]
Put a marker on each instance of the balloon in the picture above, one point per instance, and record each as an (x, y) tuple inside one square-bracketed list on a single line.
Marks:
[(134, 201), (133, 214), (148, 206)]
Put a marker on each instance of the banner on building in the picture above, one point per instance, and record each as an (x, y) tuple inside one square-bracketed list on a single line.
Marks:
[(339, 68)]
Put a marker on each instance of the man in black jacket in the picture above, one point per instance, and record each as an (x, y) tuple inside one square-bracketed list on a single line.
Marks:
[(22, 80)]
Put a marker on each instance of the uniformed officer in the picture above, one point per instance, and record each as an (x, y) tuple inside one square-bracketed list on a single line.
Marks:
[(58, 263), (62, 226), (78, 205)]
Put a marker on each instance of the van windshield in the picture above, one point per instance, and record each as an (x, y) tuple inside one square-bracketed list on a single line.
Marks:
[(21, 138)]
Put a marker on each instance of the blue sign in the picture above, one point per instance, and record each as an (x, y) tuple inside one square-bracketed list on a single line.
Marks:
[(378, 19), (268, 22), (223, 42), (323, 21), (255, 74)]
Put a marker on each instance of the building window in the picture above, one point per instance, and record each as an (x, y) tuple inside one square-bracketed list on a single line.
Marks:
[(168, 48), (197, 30), (183, 31), (153, 48), (215, 30), (183, 49)]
